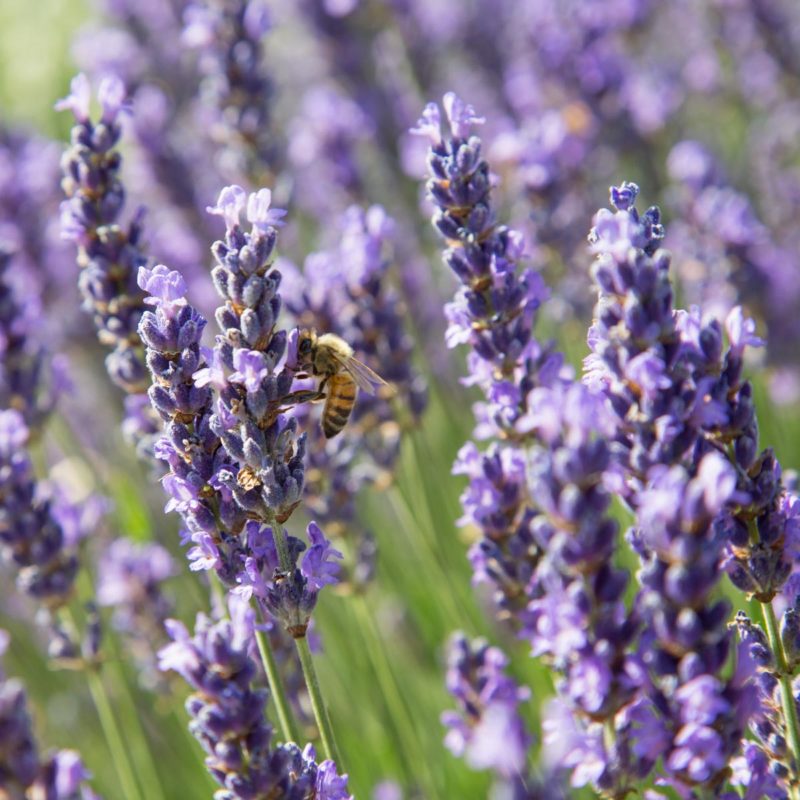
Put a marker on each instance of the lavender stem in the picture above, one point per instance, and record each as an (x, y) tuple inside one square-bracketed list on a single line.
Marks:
[(787, 696), (321, 714), (108, 722), (116, 745), (401, 716), (150, 781), (285, 717), (279, 538)]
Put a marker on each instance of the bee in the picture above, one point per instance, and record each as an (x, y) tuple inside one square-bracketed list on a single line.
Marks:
[(330, 357)]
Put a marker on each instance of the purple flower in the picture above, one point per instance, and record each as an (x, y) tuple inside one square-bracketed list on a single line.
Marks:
[(699, 753), (429, 124), (741, 332), (251, 368), (259, 212), (13, 433), (213, 374), (488, 731), (79, 98), (330, 785), (231, 203), (111, 94), (109, 254), (568, 744), (316, 565), (460, 115), (166, 287)]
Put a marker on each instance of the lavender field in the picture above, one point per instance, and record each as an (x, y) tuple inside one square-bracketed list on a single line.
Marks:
[(399, 399)]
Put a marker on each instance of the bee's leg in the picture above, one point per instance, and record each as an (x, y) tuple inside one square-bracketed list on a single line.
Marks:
[(303, 396)]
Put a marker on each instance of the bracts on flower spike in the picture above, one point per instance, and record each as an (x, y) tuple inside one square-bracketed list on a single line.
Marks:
[(654, 366), (493, 312), (108, 254)]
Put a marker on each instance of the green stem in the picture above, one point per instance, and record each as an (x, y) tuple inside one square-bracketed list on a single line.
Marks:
[(281, 546), (144, 763), (787, 696), (116, 745), (321, 715), (284, 711), (146, 769), (400, 715)]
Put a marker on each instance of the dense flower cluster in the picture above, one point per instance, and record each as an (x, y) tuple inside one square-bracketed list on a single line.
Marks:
[(677, 393), (494, 312), (678, 441), (612, 516), (109, 255), (228, 720), (236, 461), (687, 447)]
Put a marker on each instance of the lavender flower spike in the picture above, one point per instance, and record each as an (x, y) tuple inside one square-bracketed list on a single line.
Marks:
[(493, 312), (23, 363), (660, 371), (228, 716), (223, 501), (30, 537), (489, 731), (171, 333), (236, 91), (257, 436), (109, 255), (577, 620)]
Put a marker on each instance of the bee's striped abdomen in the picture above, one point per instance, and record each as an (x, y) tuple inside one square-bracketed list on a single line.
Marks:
[(341, 390)]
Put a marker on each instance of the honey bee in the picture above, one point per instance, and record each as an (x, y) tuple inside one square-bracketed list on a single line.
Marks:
[(329, 357)]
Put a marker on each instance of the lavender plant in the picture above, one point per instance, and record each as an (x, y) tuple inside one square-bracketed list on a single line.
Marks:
[(242, 473), (537, 491), (668, 372), (616, 520), (31, 537), (236, 93)]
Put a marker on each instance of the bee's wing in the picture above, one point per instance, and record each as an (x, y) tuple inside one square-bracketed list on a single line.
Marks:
[(364, 377)]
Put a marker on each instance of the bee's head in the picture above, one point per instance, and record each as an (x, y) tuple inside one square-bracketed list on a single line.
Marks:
[(305, 344)]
